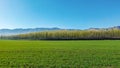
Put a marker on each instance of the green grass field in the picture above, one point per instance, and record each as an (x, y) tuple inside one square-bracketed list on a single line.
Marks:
[(60, 54)]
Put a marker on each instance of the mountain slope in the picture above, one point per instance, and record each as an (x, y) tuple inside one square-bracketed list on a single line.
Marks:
[(29, 30), (22, 31)]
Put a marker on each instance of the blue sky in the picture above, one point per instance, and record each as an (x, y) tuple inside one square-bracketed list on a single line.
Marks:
[(77, 14)]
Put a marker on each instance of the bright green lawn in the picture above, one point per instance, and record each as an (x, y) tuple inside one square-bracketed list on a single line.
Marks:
[(59, 54)]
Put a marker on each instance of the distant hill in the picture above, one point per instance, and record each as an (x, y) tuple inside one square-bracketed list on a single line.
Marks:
[(22, 31), (29, 30), (115, 27)]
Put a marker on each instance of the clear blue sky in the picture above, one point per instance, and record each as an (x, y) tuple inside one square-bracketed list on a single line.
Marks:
[(78, 14)]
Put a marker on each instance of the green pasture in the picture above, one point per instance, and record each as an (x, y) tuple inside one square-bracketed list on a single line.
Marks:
[(60, 54)]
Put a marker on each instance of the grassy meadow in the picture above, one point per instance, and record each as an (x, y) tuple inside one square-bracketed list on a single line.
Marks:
[(60, 54)]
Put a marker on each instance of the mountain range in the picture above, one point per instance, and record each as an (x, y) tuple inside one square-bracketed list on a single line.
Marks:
[(22, 31), (115, 27), (29, 30)]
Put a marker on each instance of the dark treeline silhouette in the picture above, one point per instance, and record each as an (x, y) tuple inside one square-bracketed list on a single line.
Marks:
[(68, 35)]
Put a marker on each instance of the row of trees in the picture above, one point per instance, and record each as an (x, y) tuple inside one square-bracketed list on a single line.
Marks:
[(68, 35)]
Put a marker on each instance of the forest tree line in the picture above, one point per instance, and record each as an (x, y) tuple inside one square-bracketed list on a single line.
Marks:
[(68, 35)]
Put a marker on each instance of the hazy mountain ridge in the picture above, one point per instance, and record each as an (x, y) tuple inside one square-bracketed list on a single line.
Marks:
[(115, 27), (29, 30), (22, 31)]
